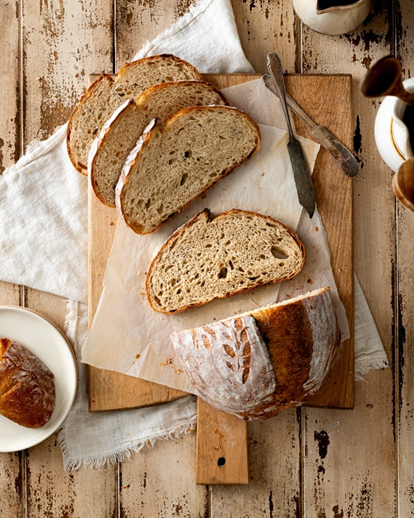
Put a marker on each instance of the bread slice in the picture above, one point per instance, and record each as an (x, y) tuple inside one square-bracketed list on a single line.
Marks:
[(105, 95), (264, 361), (173, 165), (235, 252), (121, 132)]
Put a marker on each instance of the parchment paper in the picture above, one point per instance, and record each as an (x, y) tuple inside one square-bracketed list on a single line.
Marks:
[(127, 335)]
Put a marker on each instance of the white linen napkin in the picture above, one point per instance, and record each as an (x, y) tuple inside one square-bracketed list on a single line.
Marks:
[(44, 221), (43, 243), (93, 439)]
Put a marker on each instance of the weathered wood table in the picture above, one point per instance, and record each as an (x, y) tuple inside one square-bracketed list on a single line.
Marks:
[(307, 462)]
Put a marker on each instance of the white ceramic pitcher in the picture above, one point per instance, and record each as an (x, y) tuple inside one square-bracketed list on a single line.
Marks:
[(332, 17), (391, 134)]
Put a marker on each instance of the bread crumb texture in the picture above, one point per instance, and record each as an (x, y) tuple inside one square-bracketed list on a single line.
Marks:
[(119, 137), (235, 252), (105, 95), (196, 148)]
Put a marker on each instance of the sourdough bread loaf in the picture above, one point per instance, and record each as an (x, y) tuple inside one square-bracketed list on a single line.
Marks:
[(172, 165), (121, 132), (105, 95), (235, 252), (27, 387), (256, 377)]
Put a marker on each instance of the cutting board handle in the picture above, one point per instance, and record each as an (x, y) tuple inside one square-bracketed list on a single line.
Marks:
[(221, 455)]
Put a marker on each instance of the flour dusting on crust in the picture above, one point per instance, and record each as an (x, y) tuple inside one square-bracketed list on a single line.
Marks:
[(228, 363), (324, 330)]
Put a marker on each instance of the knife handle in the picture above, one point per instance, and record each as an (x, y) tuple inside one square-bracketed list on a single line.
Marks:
[(274, 67)]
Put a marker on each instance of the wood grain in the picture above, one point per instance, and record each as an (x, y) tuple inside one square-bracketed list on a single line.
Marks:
[(159, 482), (404, 305), (221, 456), (9, 86), (12, 465), (274, 465), (60, 40), (164, 475), (348, 461)]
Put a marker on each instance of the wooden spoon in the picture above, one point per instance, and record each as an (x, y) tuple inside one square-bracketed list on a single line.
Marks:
[(403, 184), (385, 78)]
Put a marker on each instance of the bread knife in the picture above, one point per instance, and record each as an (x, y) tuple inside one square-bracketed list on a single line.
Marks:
[(301, 173), (341, 154)]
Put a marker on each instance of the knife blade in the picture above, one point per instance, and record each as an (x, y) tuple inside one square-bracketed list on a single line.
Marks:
[(340, 153), (303, 181)]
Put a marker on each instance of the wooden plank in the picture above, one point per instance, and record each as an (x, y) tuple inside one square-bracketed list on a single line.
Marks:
[(51, 491), (137, 23), (273, 445), (404, 356), (9, 85), (267, 27), (164, 475), (61, 41), (12, 473), (348, 457), (159, 482), (404, 402)]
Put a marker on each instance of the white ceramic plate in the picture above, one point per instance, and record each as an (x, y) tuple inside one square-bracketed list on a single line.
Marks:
[(47, 342)]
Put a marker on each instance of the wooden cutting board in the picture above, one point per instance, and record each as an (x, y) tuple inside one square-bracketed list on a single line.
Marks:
[(222, 439)]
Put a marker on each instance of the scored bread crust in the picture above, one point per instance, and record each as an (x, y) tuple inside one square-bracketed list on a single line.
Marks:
[(227, 362), (301, 336), (140, 101), (140, 148), (236, 291), (122, 74), (27, 388)]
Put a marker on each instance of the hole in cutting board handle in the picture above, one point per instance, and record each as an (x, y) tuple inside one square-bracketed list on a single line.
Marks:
[(221, 461)]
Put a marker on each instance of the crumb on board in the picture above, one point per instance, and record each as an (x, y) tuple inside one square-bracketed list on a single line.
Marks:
[(317, 229), (310, 281), (137, 356), (170, 362), (111, 224)]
